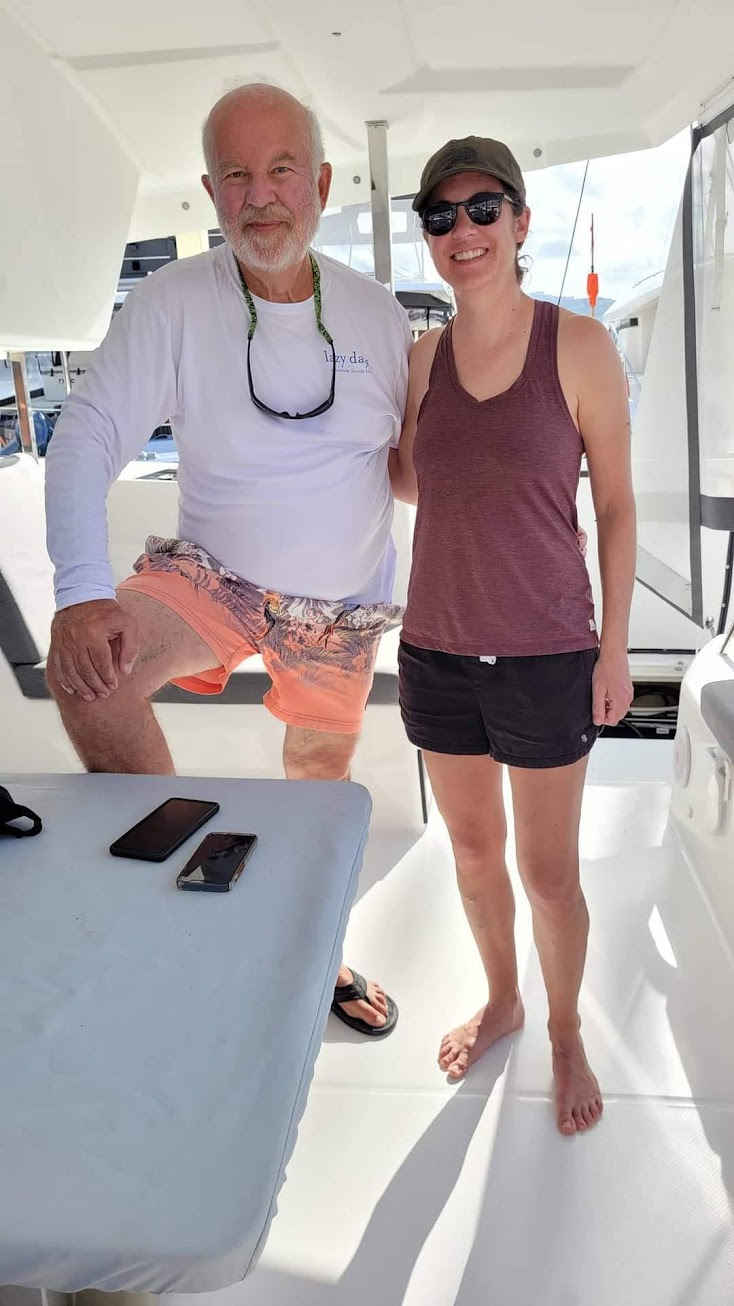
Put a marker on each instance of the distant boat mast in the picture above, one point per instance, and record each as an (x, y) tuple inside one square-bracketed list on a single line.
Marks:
[(592, 281)]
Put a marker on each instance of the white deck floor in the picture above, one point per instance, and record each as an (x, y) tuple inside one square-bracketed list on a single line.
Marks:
[(405, 1189)]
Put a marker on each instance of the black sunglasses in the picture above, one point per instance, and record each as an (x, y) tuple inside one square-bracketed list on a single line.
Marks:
[(328, 402), (482, 209)]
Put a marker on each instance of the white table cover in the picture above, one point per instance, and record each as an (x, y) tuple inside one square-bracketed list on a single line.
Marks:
[(156, 1047)]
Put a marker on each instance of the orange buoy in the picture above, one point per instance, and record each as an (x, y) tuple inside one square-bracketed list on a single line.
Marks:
[(592, 288)]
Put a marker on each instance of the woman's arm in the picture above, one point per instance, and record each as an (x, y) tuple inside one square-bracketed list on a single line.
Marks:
[(604, 423), (400, 462)]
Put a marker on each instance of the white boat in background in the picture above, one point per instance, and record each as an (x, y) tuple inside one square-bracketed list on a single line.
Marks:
[(631, 320), (405, 1190)]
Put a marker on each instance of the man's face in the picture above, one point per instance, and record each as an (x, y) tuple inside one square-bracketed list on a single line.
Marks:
[(267, 193)]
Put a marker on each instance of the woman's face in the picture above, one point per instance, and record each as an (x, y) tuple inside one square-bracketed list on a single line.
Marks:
[(469, 256)]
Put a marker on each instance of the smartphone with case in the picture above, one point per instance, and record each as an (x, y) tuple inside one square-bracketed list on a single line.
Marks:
[(163, 830), (218, 862)]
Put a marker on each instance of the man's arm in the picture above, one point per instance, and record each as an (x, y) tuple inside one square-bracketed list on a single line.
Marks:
[(111, 413), (129, 390), (604, 423), (402, 472)]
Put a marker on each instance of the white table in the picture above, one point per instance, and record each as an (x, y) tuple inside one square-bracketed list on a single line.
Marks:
[(156, 1047)]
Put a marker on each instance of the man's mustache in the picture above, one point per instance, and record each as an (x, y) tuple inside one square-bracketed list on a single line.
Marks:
[(272, 213)]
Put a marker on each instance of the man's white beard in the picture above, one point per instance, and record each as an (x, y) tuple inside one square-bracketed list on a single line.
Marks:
[(274, 251)]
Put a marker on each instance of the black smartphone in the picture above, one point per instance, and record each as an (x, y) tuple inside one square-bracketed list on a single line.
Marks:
[(162, 831), (218, 862)]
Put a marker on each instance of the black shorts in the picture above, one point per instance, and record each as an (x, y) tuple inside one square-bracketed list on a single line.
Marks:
[(523, 711)]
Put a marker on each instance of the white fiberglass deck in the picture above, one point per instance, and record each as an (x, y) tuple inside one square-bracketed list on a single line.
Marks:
[(405, 1190)]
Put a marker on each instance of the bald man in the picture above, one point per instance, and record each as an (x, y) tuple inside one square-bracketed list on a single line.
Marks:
[(283, 375)]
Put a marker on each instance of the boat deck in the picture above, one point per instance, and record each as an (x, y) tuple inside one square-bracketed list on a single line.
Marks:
[(405, 1190)]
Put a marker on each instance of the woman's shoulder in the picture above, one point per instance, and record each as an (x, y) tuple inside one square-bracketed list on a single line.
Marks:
[(422, 357), (587, 354), (424, 349), (581, 329)]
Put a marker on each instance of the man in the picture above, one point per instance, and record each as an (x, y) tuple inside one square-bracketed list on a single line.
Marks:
[(284, 378)]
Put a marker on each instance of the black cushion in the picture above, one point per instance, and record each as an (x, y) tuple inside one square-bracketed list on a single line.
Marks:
[(252, 686), (242, 687), (32, 680), (16, 641)]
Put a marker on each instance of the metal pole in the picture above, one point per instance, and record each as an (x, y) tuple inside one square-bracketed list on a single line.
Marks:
[(691, 372), (380, 191), (23, 404), (65, 370)]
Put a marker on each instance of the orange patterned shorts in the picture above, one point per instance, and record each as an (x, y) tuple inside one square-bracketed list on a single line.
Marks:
[(320, 655)]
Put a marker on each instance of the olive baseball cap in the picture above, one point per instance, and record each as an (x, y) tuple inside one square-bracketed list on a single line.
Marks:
[(471, 154)]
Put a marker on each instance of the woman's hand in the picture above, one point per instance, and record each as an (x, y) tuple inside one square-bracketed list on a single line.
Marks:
[(612, 690)]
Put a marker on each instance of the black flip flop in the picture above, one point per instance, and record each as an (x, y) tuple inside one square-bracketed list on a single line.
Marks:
[(355, 992)]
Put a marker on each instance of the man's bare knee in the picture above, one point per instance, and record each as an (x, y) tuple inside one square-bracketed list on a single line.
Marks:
[(317, 754), (120, 702), (55, 690), (118, 733)]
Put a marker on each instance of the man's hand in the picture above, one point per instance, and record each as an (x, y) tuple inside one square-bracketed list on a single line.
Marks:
[(583, 540), (90, 642), (612, 690)]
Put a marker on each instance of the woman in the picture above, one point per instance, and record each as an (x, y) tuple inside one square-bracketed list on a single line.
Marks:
[(500, 661)]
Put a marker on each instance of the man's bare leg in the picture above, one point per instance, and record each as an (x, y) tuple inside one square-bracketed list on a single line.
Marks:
[(468, 792), (322, 755), (547, 806), (120, 733)]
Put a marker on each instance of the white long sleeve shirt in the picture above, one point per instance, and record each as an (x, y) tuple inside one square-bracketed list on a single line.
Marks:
[(301, 507)]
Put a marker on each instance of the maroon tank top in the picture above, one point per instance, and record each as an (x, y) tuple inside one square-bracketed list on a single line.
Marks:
[(497, 569)]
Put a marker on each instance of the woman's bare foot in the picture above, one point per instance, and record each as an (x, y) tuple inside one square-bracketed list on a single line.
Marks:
[(578, 1099), (467, 1043)]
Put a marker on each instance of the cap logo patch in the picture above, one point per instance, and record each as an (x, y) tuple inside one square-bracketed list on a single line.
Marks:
[(465, 154)]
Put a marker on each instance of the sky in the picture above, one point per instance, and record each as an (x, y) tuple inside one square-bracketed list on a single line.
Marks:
[(634, 199)]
